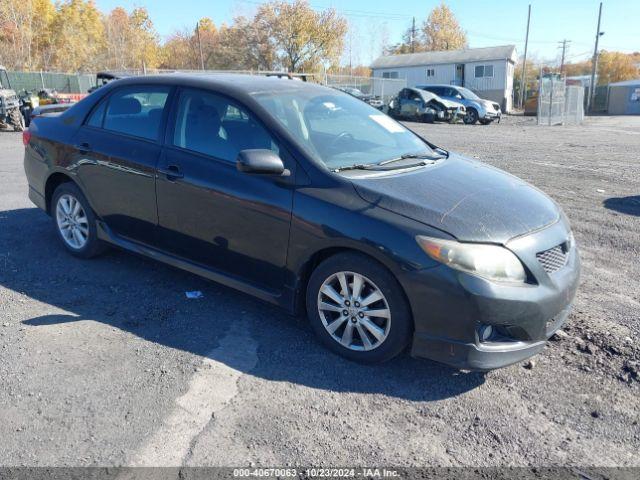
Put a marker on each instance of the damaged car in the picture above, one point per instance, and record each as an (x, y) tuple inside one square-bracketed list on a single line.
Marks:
[(477, 109), (422, 106)]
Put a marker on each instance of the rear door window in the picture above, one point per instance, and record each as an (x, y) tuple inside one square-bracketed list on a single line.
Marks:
[(136, 111)]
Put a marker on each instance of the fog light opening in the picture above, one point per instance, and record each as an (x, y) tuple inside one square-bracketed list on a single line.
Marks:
[(485, 333)]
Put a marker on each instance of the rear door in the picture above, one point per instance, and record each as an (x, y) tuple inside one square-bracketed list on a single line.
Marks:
[(209, 212), (119, 146)]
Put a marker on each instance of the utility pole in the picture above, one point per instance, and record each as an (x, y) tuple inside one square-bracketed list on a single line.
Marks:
[(200, 45), (413, 35), (564, 50), (523, 78), (594, 66)]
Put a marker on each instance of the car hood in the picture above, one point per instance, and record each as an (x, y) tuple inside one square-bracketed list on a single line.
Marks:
[(488, 105), (465, 198), (450, 103)]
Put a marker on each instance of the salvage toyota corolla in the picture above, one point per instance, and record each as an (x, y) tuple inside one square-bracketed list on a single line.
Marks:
[(312, 200)]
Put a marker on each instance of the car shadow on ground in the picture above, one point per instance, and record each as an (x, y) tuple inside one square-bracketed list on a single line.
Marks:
[(628, 205), (148, 300)]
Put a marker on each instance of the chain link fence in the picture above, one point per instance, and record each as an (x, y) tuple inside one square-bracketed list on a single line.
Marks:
[(559, 103), (385, 88)]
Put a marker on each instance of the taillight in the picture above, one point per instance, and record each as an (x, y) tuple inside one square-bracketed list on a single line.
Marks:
[(26, 136)]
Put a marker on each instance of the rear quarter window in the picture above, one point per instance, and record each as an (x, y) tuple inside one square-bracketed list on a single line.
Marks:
[(134, 111)]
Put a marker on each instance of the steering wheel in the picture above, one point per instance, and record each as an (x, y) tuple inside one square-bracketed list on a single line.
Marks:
[(340, 138)]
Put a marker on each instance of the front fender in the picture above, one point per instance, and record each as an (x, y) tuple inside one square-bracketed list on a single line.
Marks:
[(479, 108)]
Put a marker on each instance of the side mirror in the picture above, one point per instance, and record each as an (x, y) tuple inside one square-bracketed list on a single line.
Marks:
[(261, 162)]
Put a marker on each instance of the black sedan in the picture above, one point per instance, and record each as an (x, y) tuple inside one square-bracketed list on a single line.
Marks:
[(312, 200)]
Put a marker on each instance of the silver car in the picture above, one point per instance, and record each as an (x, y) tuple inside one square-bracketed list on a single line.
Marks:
[(477, 109)]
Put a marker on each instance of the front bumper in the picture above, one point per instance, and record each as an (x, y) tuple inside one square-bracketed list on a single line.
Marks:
[(451, 308), (491, 116)]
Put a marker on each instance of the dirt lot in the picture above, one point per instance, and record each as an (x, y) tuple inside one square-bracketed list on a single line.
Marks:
[(105, 362)]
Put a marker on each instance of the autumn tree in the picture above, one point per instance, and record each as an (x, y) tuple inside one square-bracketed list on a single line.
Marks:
[(442, 31), (25, 33), (131, 40), (79, 36), (615, 67), (302, 37)]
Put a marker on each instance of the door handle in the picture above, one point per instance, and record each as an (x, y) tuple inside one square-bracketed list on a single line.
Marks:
[(83, 147), (172, 172)]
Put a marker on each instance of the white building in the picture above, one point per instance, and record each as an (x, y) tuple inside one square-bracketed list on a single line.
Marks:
[(487, 71)]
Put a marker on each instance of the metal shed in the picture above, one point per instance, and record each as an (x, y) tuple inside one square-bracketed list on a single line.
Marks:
[(487, 71), (624, 98)]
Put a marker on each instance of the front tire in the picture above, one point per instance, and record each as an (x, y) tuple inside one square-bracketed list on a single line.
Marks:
[(471, 117), (75, 222), (358, 309)]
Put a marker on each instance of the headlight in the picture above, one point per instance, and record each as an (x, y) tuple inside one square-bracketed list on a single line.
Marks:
[(489, 261)]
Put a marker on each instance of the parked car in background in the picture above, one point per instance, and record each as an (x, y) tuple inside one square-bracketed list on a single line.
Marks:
[(102, 78), (422, 106), (374, 101), (477, 109), (314, 201), (10, 113)]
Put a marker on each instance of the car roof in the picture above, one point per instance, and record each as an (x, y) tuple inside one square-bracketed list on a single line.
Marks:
[(425, 95), (436, 85), (234, 84)]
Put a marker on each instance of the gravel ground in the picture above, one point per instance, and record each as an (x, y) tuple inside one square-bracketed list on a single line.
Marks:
[(105, 362)]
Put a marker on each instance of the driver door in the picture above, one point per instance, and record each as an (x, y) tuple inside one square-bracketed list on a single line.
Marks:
[(210, 213)]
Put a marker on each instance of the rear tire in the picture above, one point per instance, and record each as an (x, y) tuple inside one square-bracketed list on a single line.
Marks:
[(373, 309), (75, 222)]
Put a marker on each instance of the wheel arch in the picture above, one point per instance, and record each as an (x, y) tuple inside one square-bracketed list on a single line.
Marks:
[(307, 268), (54, 181)]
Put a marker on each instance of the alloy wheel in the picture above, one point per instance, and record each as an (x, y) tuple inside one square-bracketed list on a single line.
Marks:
[(72, 221), (354, 311)]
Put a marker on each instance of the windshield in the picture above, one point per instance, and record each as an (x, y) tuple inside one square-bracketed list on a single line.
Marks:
[(468, 94), (4, 79), (340, 130)]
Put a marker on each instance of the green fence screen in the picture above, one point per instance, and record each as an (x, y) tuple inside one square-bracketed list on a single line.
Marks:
[(62, 82)]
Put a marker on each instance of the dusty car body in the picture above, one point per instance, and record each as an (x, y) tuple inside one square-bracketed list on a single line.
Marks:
[(314, 201), (10, 113), (477, 109), (420, 105)]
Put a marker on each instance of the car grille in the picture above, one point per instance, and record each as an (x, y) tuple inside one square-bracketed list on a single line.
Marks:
[(553, 259)]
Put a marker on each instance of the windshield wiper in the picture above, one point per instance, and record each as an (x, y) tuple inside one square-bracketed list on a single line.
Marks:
[(417, 156), (358, 166), (381, 167), (427, 159)]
